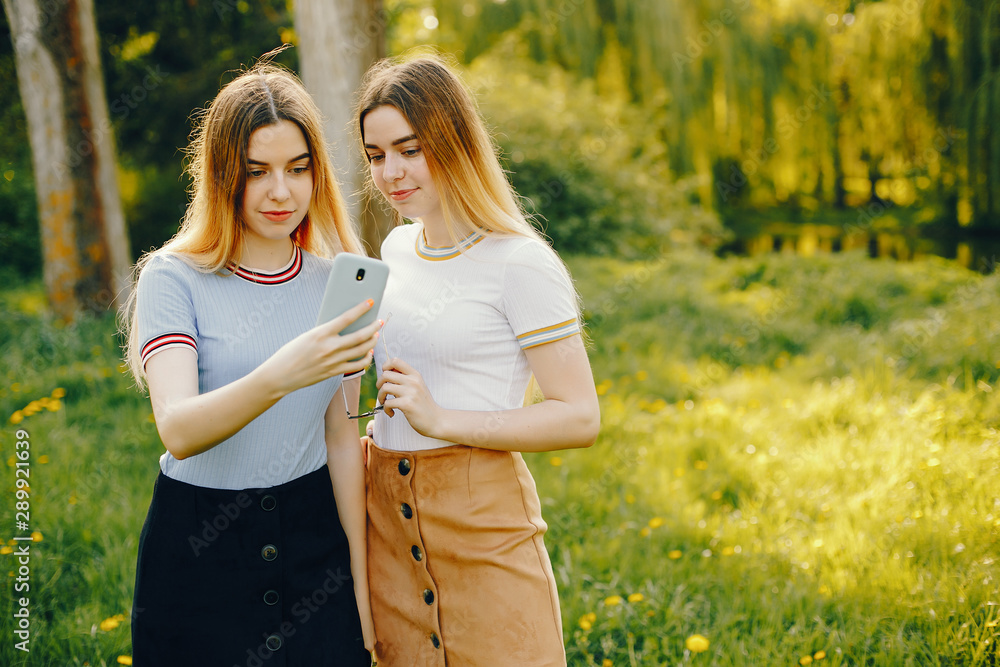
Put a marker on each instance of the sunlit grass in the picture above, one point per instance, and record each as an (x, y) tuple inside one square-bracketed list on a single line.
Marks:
[(815, 494), (798, 464)]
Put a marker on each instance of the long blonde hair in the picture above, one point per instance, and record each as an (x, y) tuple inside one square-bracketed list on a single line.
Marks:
[(212, 233), (461, 157)]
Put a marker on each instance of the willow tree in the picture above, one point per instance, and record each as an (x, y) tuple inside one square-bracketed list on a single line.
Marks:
[(84, 240)]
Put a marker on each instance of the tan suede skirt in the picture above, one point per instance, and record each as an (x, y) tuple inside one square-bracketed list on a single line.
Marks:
[(458, 570)]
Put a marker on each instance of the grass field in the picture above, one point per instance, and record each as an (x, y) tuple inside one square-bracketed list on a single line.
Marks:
[(798, 464)]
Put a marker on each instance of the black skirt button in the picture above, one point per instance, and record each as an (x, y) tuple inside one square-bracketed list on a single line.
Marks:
[(404, 466), (268, 503), (435, 640), (428, 596), (273, 642), (269, 552), (406, 510), (271, 597)]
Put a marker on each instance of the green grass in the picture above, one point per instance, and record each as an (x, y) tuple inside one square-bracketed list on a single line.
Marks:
[(797, 455)]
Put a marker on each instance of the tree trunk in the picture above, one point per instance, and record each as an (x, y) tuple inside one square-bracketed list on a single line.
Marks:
[(84, 240), (338, 41)]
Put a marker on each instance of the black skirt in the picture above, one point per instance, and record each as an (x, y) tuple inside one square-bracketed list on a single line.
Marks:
[(250, 578)]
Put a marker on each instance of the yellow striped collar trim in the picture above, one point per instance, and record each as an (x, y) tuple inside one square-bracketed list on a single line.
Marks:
[(440, 254)]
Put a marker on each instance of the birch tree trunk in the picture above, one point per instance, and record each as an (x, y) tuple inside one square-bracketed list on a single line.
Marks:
[(84, 240), (338, 41)]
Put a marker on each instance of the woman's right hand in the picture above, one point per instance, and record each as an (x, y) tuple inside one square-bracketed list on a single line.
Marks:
[(321, 353)]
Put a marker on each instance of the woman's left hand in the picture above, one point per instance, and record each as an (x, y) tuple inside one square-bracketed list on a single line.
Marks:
[(409, 395)]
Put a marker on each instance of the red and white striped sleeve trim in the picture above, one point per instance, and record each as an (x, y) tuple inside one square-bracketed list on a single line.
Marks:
[(167, 341)]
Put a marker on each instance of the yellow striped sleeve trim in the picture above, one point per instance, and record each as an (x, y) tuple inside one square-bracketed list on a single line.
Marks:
[(548, 334)]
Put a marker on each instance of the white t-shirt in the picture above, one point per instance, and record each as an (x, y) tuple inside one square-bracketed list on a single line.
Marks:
[(464, 319)]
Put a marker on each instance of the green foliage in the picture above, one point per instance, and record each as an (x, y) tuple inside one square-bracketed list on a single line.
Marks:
[(584, 162), (770, 474), (20, 251)]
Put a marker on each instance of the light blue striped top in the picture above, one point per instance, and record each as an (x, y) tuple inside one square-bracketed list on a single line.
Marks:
[(235, 321)]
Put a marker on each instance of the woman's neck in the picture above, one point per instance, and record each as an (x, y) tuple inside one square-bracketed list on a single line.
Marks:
[(266, 255), (436, 233)]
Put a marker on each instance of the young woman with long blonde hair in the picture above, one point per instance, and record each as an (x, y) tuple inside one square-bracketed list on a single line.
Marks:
[(252, 552), (478, 303)]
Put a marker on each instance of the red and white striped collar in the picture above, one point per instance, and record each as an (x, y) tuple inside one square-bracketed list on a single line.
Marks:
[(278, 277)]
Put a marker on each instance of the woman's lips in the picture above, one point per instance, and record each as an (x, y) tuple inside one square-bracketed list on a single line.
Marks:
[(400, 195), (277, 216)]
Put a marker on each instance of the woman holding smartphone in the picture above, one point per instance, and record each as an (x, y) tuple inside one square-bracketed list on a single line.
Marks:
[(248, 554), (479, 303)]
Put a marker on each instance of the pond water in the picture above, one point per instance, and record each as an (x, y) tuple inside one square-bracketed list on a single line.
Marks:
[(975, 253)]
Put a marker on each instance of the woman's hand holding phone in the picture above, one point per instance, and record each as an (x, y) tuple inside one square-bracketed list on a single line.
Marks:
[(322, 352)]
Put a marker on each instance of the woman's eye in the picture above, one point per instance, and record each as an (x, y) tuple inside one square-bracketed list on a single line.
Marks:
[(410, 152), (255, 173), (374, 158), (300, 170)]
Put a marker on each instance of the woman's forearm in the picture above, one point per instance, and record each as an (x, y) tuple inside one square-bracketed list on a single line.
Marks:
[(344, 457), (192, 425), (545, 426)]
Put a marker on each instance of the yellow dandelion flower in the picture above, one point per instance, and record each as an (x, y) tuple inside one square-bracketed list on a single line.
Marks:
[(6, 550), (17, 417), (109, 624), (645, 532), (124, 660), (58, 392), (629, 498), (612, 600), (678, 472), (603, 387), (642, 376), (585, 624), (992, 624), (556, 461), (806, 660), (650, 613), (591, 616), (12, 461), (54, 406), (696, 643), (656, 522), (42, 402), (717, 495), (701, 465), (636, 597), (819, 655), (607, 663), (674, 555), (36, 536), (44, 458), (16, 387), (825, 590), (728, 551), (73, 498)]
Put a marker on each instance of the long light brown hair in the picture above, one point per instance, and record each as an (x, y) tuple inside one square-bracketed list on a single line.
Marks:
[(212, 232), (461, 157)]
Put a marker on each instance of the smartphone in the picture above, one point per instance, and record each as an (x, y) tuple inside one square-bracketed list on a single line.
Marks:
[(353, 279)]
